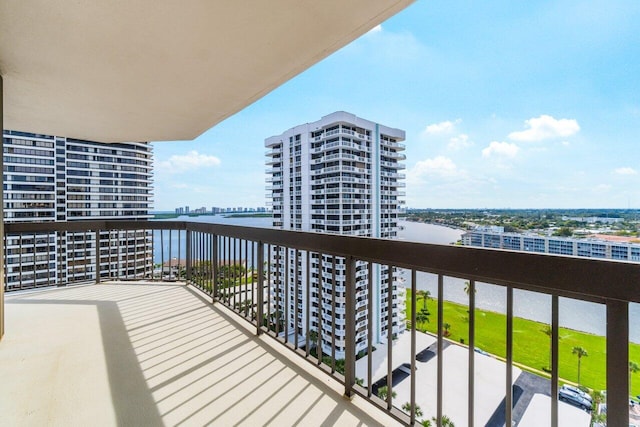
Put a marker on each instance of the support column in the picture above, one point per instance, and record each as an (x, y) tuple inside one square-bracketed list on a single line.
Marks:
[(1, 217), (617, 363)]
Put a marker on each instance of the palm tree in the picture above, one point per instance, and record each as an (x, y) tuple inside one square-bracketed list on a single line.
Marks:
[(422, 316), (633, 368), (580, 352), (407, 408), (383, 391), (313, 339), (425, 296), (445, 421), (467, 288), (446, 327), (549, 332)]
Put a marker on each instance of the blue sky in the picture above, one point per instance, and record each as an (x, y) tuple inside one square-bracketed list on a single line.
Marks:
[(532, 104)]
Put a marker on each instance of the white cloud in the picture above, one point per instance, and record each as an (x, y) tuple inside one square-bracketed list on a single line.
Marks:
[(179, 163), (566, 143), (625, 171), (504, 149), (459, 142), (546, 127), (439, 166), (439, 128)]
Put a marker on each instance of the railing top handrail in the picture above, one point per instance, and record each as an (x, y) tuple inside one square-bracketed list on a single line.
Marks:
[(585, 278)]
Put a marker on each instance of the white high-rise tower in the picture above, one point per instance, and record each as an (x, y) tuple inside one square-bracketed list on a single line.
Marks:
[(337, 175)]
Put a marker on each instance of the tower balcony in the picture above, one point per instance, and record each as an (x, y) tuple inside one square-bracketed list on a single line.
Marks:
[(196, 333)]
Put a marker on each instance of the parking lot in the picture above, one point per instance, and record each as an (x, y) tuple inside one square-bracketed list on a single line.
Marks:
[(531, 393)]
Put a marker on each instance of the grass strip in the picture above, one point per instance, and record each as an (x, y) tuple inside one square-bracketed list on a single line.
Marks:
[(531, 345)]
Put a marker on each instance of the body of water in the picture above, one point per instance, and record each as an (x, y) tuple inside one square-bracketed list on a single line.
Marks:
[(574, 314)]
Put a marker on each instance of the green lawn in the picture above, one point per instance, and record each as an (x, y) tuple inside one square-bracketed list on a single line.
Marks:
[(531, 345)]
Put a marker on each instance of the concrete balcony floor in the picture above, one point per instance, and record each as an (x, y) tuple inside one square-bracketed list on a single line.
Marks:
[(156, 354)]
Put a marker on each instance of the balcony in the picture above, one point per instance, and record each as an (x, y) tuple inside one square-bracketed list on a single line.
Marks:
[(143, 353), (130, 348)]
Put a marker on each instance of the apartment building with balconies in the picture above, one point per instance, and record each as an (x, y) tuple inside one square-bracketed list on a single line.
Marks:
[(50, 178), (338, 175), (588, 247)]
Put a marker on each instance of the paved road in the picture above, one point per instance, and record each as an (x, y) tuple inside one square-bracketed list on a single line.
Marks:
[(525, 386)]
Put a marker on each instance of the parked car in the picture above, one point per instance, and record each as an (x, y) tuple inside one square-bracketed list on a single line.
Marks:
[(574, 389), (575, 399)]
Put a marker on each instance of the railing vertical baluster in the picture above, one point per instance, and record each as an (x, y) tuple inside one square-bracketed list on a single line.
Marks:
[(389, 339), (161, 254), (86, 258), (278, 289), (201, 266), (69, 243), (47, 251), (179, 254), (111, 240), (369, 328), (508, 415), (321, 283), (233, 271), (555, 345), (617, 363), (412, 415), (286, 296), (333, 313), (246, 278), (170, 254), (135, 254), (20, 246), (228, 271), (259, 288), (5, 265), (128, 256), (295, 301), (225, 263), (440, 360), (269, 288), (254, 278), (189, 250), (210, 265), (148, 248), (472, 343), (57, 274), (350, 326), (97, 256), (119, 272), (196, 258), (149, 233), (35, 266), (214, 260), (307, 314)]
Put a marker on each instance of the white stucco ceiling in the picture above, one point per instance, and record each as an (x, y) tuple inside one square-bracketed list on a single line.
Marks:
[(161, 70)]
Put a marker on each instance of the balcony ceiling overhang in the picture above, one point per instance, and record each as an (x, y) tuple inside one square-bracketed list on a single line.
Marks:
[(161, 70)]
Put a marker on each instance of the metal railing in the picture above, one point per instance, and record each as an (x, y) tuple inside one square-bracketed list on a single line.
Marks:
[(332, 299)]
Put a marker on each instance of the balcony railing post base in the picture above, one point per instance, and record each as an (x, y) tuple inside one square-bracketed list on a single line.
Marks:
[(349, 396)]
